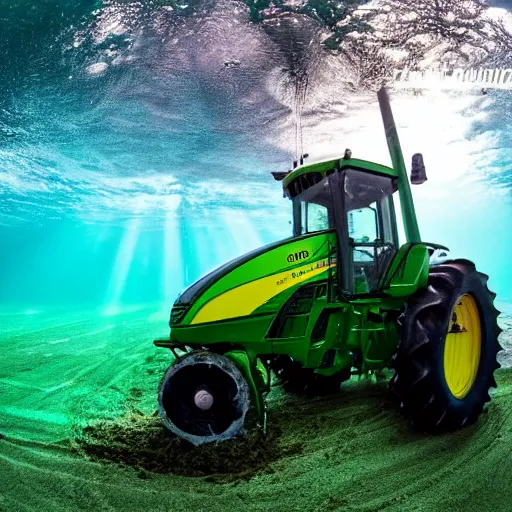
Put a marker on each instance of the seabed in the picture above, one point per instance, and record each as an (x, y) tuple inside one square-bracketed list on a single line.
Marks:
[(78, 431)]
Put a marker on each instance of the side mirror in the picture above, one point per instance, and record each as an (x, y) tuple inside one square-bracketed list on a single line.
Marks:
[(418, 173)]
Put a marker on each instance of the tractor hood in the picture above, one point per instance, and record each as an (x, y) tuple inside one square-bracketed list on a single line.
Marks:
[(258, 282)]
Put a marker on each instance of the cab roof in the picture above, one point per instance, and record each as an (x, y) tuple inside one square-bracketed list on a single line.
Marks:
[(339, 163)]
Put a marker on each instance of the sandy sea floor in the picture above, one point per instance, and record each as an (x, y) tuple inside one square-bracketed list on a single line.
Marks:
[(62, 371)]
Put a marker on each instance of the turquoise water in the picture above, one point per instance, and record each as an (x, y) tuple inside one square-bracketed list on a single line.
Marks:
[(137, 140)]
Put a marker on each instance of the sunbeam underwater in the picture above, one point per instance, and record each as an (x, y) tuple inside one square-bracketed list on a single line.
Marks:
[(182, 135)]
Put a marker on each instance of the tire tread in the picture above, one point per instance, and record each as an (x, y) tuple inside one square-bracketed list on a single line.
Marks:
[(415, 383)]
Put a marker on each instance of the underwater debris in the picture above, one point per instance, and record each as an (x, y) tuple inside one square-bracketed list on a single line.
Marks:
[(232, 63)]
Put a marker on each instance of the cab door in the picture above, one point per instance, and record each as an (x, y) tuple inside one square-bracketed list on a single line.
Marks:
[(373, 244)]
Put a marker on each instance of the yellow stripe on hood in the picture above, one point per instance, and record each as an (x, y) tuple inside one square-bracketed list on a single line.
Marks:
[(244, 299)]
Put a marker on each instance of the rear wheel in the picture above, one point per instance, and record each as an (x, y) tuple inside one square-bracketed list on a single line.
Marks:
[(445, 363)]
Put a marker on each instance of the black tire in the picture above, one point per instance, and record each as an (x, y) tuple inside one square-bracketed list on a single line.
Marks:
[(419, 382), (181, 415), (299, 380)]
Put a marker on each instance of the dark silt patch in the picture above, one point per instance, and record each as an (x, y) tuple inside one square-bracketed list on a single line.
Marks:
[(140, 441)]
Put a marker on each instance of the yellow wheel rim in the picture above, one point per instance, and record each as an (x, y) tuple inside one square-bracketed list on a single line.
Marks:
[(462, 347)]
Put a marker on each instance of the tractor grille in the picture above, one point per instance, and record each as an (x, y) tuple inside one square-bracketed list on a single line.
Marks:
[(302, 302), (177, 315), (294, 317)]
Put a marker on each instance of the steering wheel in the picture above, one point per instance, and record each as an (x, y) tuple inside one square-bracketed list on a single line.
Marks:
[(385, 256), (368, 253), (386, 245)]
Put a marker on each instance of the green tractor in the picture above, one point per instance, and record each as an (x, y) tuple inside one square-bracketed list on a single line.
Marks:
[(340, 297)]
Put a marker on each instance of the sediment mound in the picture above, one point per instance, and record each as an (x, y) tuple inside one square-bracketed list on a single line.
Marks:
[(141, 442)]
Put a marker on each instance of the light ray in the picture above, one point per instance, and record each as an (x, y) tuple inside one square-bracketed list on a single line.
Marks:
[(173, 281), (245, 237), (122, 266)]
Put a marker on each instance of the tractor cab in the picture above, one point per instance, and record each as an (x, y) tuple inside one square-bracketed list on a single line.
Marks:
[(356, 202)]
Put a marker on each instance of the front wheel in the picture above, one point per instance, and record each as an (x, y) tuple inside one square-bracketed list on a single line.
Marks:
[(445, 362), (203, 397)]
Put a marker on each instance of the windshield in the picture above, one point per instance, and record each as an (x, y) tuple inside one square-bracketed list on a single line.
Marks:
[(361, 203), (312, 198), (313, 208)]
